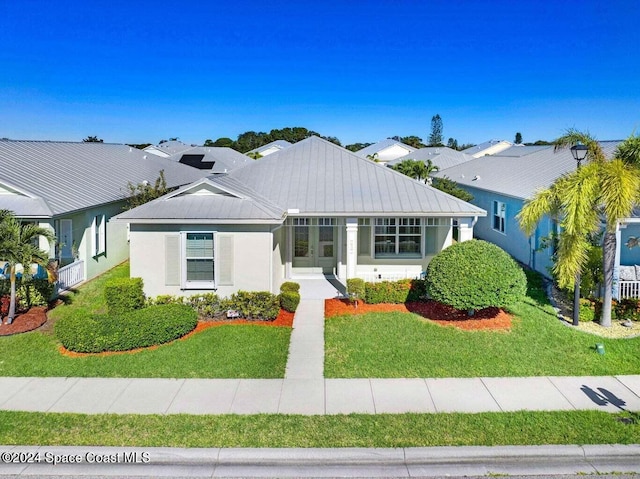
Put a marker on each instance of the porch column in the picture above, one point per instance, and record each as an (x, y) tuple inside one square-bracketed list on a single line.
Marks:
[(465, 229), (352, 247), (615, 288), (288, 255)]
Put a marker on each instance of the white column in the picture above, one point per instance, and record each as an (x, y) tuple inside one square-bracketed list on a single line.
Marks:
[(465, 229), (352, 247), (288, 255), (616, 266), (339, 248)]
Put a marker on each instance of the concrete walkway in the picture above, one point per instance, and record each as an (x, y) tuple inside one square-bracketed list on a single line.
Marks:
[(310, 396)]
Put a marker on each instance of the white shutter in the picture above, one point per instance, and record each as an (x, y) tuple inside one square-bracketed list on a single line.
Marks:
[(94, 243), (225, 260), (172, 260), (102, 233)]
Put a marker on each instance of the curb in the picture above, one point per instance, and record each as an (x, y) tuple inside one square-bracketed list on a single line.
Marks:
[(395, 462)]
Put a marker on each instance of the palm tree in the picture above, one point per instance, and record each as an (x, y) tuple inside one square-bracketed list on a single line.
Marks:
[(18, 245), (599, 191), (416, 169)]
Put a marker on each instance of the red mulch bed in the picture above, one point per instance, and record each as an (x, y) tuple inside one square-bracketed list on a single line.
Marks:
[(23, 322), (490, 318), (284, 319)]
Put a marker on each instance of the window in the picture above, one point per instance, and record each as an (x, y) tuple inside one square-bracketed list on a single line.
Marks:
[(301, 237), (199, 260), (98, 233), (398, 237), (499, 215)]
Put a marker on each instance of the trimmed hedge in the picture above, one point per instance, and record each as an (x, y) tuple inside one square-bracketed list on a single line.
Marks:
[(123, 295), (395, 291), (260, 305), (474, 275), (84, 333), (290, 286), (356, 288), (289, 301)]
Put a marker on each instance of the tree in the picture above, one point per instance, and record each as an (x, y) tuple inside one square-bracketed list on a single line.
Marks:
[(416, 169), (601, 191), (435, 138), (220, 142), (452, 143), (144, 192), (357, 146), (92, 139), (413, 141), (518, 139), (19, 245), (451, 187)]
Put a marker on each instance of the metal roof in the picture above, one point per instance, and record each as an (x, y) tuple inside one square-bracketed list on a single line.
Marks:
[(218, 198), (224, 159), (442, 157), (487, 147), (518, 176), (171, 147), (318, 177), (74, 176), (381, 145)]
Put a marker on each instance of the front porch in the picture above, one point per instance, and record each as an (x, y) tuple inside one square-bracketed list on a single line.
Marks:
[(371, 248)]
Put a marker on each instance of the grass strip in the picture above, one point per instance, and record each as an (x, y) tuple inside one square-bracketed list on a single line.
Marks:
[(266, 430)]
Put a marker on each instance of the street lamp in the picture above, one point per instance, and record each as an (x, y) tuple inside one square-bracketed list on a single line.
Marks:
[(579, 153)]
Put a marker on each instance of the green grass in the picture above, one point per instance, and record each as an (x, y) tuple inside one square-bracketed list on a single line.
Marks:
[(240, 351), (404, 430), (404, 345)]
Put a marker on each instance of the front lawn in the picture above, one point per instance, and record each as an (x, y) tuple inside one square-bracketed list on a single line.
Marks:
[(238, 351), (355, 430), (405, 345)]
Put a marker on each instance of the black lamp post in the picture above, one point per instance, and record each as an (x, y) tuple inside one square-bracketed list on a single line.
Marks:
[(579, 153)]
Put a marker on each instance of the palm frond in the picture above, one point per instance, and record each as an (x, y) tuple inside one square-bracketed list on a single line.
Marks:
[(544, 202)]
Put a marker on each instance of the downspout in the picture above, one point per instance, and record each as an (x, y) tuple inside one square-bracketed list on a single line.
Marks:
[(273, 230)]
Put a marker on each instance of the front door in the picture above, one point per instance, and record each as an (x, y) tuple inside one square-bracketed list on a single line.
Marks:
[(314, 245)]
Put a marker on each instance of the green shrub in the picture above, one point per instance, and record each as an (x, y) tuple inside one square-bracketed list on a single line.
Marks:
[(395, 291), (290, 286), (123, 295), (165, 299), (474, 275), (261, 305), (627, 309), (207, 305), (29, 291), (86, 333), (356, 288), (587, 310), (289, 301)]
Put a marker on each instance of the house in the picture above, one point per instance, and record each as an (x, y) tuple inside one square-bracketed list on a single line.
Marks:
[(311, 209), (168, 148), (273, 147), (442, 157), (75, 189), (490, 147), (500, 184), (385, 150)]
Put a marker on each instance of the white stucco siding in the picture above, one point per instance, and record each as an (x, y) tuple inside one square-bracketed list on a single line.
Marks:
[(252, 252)]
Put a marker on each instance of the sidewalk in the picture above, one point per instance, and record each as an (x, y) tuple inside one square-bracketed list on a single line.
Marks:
[(318, 396)]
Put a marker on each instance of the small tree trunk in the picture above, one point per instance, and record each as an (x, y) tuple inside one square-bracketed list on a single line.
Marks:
[(12, 302), (608, 263)]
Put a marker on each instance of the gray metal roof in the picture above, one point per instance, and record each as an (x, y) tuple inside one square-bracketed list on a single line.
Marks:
[(317, 177), (442, 157), (517, 176), (521, 150), (75, 176), (481, 147), (224, 159), (277, 143), (381, 145), (172, 147), (218, 198)]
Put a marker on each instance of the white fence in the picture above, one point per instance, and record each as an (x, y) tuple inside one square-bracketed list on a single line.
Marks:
[(628, 289), (70, 275), (378, 277)]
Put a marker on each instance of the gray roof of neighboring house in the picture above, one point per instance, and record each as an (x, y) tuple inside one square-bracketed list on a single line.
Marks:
[(228, 201), (318, 177), (277, 143), (381, 145), (172, 147), (223, 159), (521, 150), (442, 157), (518, 176), (474, 150), (73, 176)]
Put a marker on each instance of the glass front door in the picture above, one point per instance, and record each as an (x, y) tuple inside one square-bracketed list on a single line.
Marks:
[(314, 245)]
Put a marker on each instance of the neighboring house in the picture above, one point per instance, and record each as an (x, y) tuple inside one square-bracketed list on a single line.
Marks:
[(385, 150), (501, 183), (269, 148), (442, 157), (75, 189), (626, 274), (490, 147), (211, 158), (168, 148), (313, 208)]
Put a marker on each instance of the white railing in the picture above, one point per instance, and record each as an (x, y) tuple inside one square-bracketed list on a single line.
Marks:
[(70, 275), (379, 277), (628, 289)]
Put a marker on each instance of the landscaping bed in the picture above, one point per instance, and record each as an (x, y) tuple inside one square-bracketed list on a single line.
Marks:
[(25, 321)]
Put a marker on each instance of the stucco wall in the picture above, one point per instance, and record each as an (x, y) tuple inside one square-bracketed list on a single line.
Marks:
[(252, 254)]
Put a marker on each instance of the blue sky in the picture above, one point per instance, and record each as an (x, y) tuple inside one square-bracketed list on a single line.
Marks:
[(142, 71)]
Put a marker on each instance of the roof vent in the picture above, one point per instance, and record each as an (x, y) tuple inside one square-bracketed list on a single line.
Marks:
[(477, 177), (144, 157)]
